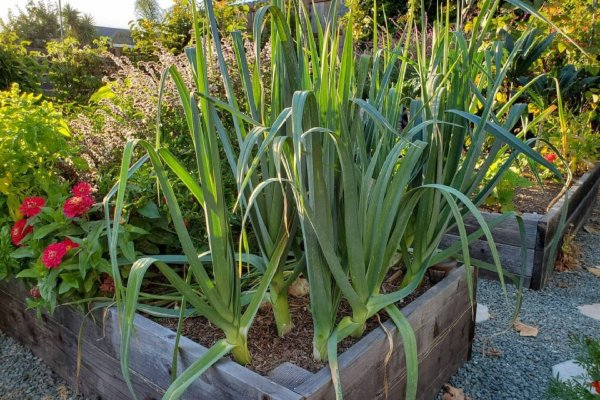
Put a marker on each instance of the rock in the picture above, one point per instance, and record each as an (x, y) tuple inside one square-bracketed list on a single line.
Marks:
[(483, 313), (590, 310), (571, 370), (568, 370)]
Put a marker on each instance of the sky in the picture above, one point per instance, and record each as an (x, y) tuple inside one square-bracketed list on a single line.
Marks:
[(113, 13)]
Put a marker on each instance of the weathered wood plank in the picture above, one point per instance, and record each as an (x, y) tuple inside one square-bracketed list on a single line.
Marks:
[(290, 375), (100, 373), (55, 341), (440, 316), (151, 354), (510, 256), (580, 189), (587, 196), (508, 231)]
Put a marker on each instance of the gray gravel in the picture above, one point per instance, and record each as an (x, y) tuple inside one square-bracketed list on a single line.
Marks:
[(25, 377), (523, 366)]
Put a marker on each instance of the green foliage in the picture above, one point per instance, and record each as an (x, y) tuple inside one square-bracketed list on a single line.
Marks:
[(75, 72), (39, 24), (504, 193), (17, 64), (172, 32), (8, 265), (34, 146), (588, 357)]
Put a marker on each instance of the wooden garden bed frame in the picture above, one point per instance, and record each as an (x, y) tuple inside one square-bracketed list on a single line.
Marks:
[(442, 319), (539, 231)]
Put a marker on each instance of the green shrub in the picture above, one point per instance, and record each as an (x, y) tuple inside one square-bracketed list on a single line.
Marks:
[(36, 150), (74, 72), (17, 65)]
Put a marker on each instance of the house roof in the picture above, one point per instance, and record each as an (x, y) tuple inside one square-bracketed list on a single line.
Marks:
[(118, 36)]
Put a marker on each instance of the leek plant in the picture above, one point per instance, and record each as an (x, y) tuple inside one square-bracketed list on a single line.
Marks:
[(366, 189), (329, 154)]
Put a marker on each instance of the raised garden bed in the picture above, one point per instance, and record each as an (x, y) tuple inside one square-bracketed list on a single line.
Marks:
[(539, 229), (441, 318)]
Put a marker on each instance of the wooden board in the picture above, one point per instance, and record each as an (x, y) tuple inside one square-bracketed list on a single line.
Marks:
[(442, 321), (510, 256), (539, 229), (582, 197), (54, 339), (508, 231), (100, 373)]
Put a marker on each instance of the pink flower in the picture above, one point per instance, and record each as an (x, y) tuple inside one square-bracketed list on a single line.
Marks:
[(32, 206), (53, 255), (551, 157), (35, 292), (19, 231), (76, 206), (82, 189), (69, 244)]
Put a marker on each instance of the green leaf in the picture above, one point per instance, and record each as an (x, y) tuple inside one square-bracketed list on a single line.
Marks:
[(45, 230), (23, 252), (150, 210), (30, 273)]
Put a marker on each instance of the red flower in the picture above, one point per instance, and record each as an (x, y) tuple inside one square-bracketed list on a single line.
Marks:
[(69, 244), (19, 231), (76, 206), (35, 292), (82, 189), (551, 157), (32, 206), (53, 255), (596, 385)]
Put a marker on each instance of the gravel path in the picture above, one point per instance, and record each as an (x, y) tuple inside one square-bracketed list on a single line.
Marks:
[(518, 367), (25, 377)]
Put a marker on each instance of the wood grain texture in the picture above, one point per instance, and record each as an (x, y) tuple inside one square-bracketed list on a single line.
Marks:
[(539, 229), (582, 197), (100, 373), (441, 319), (508, 231), (54, 339), (510, 257)]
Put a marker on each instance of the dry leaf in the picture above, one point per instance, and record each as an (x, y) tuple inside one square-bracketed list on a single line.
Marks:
[(595, 271), (299, 288), (526, 330), (452, 393), (591, 230), (493, 352)]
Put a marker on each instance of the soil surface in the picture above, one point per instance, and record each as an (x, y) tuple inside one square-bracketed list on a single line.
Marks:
[(533, 199), (267, 349)]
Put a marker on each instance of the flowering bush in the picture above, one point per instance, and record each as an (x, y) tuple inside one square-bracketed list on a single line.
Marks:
[(62, 243)]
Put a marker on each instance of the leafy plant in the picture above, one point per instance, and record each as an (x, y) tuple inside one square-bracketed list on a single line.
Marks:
[(39, 23), (364, 186), (74, 72), (17, 64), (585, 387), (34, 147), (64, 250)]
